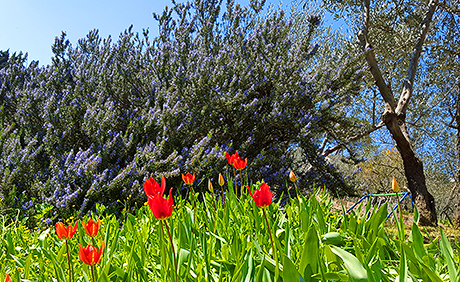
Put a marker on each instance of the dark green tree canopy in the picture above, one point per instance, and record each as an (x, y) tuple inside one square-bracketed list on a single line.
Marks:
[(4, 55)]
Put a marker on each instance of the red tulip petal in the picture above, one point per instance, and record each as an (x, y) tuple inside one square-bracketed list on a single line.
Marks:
[(161, 208), (170, 202), (151, 186), (74, 229), (98, 255), (60, 230), (82, 255), (249, 190), (163, 184)]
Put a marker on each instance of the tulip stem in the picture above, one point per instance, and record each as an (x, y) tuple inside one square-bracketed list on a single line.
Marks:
[(241, 179), (173, 251), (399, 220), (223, 196), (215, 209), (236, 184), (163, 253), (269, 231), (193, 202), (275, 256), (68, 259), (296, 190), (92, 272)]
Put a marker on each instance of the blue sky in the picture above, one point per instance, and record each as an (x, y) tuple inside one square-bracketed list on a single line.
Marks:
[(31, 26)]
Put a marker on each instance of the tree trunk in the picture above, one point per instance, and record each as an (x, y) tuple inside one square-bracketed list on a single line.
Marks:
[(457, 120), (424, 201), (413, 169), (394, 116)]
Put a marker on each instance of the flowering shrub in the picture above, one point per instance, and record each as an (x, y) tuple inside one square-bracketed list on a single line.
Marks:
[(107, 114)]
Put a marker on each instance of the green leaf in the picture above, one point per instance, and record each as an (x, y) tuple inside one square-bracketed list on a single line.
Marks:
[(27, 265), (60, 276), (287, 241), (290, 271), (10, 244), (183, 256), (430, 275), (356, 272), (103, 278), (376, 221), (448, 254), (260, 272), (417, 241), (310, 251), (402, 265), (416, 215), (332, 238), (248, 263)]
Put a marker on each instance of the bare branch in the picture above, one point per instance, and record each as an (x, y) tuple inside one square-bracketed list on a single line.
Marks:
[(448, 8), (323, 144), (354, 138), (448, 51), (385, 90), (409, 81), (451, 126)]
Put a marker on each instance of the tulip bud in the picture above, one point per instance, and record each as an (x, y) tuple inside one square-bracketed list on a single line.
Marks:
[(292, 176), (221, 180), (210, 186), (394, 185)]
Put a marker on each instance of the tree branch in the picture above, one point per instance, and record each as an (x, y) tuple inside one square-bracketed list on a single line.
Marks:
[(449, 8), (354, 138), (323, 144), (385, 90), (450, 52), (409, 81)]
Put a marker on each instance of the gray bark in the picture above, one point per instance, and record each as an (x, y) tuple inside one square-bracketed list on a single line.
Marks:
[(394, 115)]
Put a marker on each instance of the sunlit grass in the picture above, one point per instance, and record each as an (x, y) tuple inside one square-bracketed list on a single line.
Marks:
[(232, 243)]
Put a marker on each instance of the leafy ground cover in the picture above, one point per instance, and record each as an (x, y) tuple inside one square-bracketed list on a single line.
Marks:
[(215, 240)]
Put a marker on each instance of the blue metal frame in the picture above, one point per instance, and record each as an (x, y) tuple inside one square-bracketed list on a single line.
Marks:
[(404, 195)]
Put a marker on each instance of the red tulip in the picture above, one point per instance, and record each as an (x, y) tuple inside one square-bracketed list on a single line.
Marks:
[(90, 255), (240, 164), (262, 196), (161, 208), (65, 233), (231, 158), (151, 186), (91, 227), (8, 278), (189, 178)]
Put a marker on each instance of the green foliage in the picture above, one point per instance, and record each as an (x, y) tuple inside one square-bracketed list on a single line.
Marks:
[(314, 242), (4, 55)]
